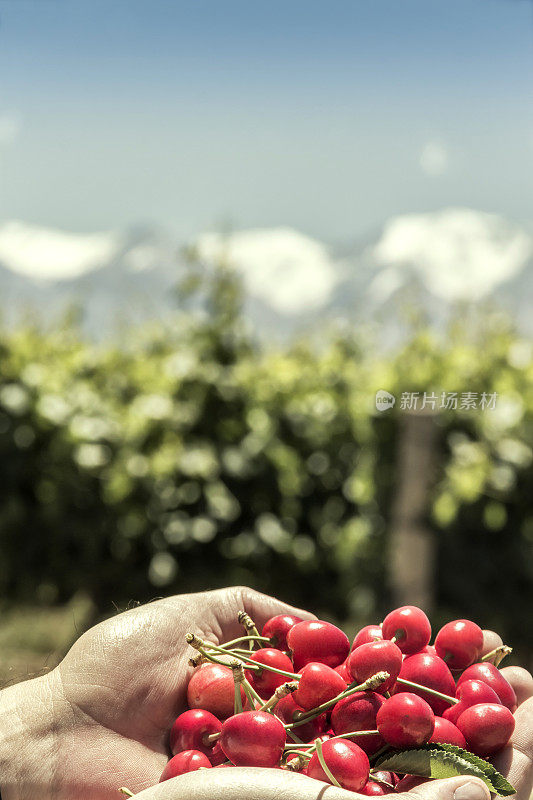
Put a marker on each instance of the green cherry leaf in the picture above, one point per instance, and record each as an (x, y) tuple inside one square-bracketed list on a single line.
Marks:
[(445, 761)]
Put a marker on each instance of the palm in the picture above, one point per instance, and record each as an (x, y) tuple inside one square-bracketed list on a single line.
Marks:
[(124, 682)]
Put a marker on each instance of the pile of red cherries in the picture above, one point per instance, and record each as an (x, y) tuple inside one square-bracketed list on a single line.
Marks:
[(299, 697)]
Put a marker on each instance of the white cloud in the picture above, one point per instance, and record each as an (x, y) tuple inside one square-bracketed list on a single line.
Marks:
[(289, 271), (434, 158), (47, 254), (10, 126), (459, 253)]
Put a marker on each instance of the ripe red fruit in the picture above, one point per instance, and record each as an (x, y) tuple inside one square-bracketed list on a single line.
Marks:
[(409, 626), (187, 761), (446, 732), (374, 789), (344, 672), (216, 756), (486, 727), (358, 713), (370, 633), (405, 720), (428, 671), (470, 693), (492, 676), (191, 728), (265, 682), (318, 684), (287, 710), (459, 643), (346, 761), (384, 776), (212, 688), (367, 659), (317, 641), (253, 739), (277, 628)]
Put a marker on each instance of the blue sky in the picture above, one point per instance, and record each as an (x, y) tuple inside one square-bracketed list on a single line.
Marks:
[(326, 116)]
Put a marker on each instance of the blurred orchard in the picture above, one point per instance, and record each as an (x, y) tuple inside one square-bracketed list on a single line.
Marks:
[(189, 457)]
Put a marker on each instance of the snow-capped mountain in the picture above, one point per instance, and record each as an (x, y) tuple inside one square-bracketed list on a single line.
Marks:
[(291, 280)]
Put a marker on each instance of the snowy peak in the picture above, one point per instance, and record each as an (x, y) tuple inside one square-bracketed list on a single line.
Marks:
[(44, 254), (459, 254), (280, 266)]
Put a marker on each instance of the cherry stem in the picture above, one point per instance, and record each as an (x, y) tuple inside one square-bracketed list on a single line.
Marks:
[(210, 738), (312, 747), (281, 692), (371, 683), (262, 639), (126, 791), (251, 694), (446, 697), (238, 678), (251, 663), (498, 654), (249, 626), (320, 754), (202, 646)]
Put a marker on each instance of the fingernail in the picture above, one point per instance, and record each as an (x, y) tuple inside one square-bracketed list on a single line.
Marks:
[(470, 791)]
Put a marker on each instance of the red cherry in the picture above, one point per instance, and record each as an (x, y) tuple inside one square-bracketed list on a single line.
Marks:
[(358, 713), (430, 671), (187, 761), (470, 693), (447, 733), (253, 739), (317, 641), (287, 711), (346, 761), (374, 789), (370, 633), (367, 659), (344, 672), (459, 643), (409, 626), (492, 676), (277, 628), (429, 650), (216, 756), (212, 688), (265, 682), (405, 720), (318, 684), (486, 727), (384, 776), (191, 728)]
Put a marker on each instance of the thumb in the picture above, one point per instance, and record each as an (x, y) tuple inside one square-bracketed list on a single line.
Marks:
[(460, 788)]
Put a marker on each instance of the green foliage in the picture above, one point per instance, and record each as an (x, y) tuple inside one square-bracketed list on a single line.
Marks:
[(191, 459)]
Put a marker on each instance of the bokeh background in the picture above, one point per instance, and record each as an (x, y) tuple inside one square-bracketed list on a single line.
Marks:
[(224, 227)]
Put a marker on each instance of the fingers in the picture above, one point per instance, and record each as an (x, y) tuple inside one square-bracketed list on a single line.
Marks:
[(250, 783), (521, 680), (516, 760), (463, 788), (491, 640)]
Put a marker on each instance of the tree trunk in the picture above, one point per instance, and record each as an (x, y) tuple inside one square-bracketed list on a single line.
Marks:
[(411, 559)]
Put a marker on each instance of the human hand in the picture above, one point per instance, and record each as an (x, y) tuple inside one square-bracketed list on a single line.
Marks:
[(100, 720)]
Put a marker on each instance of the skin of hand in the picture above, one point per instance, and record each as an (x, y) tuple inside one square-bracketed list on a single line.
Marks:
[(100, 720)]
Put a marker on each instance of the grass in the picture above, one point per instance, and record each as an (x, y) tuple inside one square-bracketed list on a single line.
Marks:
[(33, 639)]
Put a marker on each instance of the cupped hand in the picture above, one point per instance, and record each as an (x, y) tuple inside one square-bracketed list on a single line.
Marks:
[(100, 720)]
